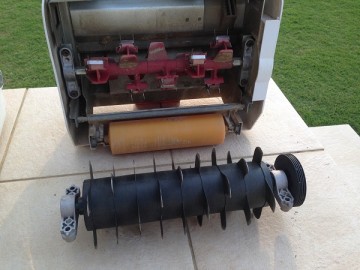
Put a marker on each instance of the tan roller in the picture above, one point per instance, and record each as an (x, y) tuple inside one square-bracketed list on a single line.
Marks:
[(166, 133)]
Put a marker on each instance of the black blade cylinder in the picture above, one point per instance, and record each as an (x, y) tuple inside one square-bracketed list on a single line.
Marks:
[(140, 198)]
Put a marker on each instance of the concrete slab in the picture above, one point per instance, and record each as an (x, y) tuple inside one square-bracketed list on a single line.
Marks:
[(42, 148), (13, 99), (321, 234), (279, 129), (342, 143), (30, 238)]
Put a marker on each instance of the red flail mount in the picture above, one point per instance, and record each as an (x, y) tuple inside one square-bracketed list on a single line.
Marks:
[(100, 70)]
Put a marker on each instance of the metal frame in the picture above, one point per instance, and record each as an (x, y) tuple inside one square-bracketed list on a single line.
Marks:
[(257, 19)]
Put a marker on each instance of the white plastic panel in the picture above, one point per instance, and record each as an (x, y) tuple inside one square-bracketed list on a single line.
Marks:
[(266, 59)]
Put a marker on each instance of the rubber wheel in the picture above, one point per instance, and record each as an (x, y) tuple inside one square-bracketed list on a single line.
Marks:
[(296, 176)]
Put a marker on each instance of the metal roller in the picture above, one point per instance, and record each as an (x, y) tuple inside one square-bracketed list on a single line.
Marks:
[(166, 133), (161, 16), (181, 193)]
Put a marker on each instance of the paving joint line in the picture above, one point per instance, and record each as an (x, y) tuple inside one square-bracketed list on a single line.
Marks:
[(144, 167), (193, 257), (13, 129)]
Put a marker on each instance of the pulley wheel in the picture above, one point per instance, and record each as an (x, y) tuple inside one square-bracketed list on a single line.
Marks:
[(296, 176)]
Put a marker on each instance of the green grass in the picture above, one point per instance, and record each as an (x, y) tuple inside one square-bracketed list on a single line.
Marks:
[(24, 58), (317, 60)]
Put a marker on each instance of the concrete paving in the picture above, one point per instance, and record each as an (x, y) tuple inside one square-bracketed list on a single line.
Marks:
[(38, 161)]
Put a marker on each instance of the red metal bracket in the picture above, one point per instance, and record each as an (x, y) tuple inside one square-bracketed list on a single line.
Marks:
[(100, 70)]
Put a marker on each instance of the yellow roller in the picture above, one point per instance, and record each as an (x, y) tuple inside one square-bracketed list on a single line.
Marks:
[(166, 133)]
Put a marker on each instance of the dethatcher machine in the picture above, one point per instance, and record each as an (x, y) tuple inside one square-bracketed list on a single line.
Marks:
[(194, 70)]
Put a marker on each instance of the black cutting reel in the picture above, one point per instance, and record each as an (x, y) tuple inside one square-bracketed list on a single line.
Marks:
[(180, 193)]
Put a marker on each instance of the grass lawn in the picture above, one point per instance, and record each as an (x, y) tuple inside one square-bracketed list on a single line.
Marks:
[(317, 62), (24, 58)]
